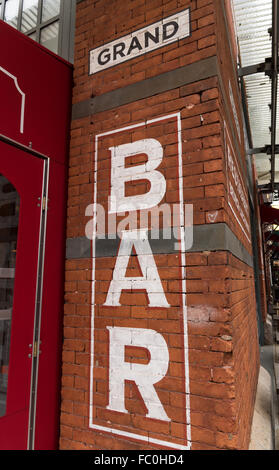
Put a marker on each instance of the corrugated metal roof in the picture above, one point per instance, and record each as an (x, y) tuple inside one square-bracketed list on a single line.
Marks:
[(253, 19)]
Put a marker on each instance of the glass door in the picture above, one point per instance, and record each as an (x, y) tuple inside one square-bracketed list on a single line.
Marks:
[(21, 193), (9, 216)]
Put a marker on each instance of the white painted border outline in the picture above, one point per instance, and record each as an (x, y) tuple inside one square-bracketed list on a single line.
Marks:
[(23, 97), (119, 432)]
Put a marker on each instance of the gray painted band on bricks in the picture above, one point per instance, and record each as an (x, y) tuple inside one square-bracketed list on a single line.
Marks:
[(201, 70), (167, 81), (210, 237)]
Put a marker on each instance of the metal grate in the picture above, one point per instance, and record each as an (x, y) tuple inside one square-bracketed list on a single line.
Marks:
[(253, 20)]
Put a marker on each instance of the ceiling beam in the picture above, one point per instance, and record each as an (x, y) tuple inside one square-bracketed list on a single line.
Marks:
[(257, 68), (267, 149)]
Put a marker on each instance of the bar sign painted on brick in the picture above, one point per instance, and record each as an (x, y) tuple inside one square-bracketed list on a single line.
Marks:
[(139, 384), (149, 38)]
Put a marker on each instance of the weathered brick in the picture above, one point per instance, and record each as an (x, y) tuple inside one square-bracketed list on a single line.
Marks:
[(219, 288)]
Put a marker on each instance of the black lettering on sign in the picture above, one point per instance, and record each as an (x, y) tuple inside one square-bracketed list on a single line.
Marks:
[(135, 44), (168, 33), (104, 57), (155, 38), (118, 50)]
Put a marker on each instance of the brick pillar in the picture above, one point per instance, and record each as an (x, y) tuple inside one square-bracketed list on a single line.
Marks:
[(136, 308)]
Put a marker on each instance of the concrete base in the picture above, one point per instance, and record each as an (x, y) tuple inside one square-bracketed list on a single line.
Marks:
[(265, 426), (262, 433)]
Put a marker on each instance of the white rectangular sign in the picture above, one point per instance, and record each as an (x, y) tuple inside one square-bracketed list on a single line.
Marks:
[(161, 33)]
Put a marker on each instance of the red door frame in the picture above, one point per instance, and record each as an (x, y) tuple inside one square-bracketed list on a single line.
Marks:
[(26, 174), (45, 374)]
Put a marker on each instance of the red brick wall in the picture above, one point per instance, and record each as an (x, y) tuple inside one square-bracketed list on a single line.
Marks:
[(223, 344), (96, 25), (243, 290)]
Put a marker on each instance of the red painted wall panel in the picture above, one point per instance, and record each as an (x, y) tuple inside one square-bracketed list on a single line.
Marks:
[(31, 73), (35, 103)]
